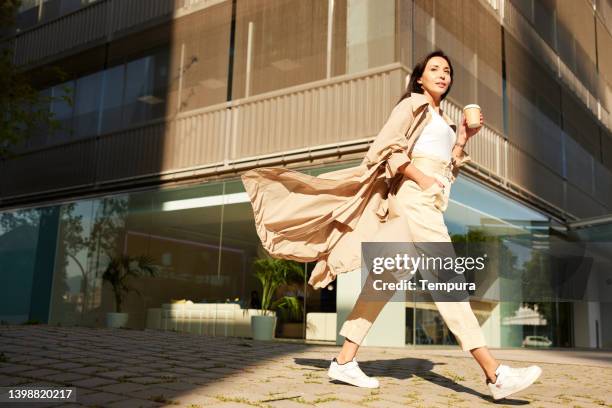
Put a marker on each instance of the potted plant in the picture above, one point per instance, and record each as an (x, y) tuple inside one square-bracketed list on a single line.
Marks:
[(118, 273), (290, 313), (273, 273)]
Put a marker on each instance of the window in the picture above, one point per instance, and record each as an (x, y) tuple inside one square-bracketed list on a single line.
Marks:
[(289, 40), (39, 137), (27, 5), (112, 99), (204, 39), (62, 111), (87, 104), (525, 7), (108, 100), (145, 88), (27, 15), (544, 16)]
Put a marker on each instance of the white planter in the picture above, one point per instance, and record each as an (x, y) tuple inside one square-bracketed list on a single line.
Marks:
[(116, 320), (262, 327)]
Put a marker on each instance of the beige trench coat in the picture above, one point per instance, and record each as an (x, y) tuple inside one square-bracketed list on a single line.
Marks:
[(324, 219)]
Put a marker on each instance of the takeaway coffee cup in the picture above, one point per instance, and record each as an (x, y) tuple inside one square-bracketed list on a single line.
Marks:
[(472, 115)]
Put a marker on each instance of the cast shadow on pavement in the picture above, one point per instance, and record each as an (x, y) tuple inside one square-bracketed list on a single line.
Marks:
[(405, 368)]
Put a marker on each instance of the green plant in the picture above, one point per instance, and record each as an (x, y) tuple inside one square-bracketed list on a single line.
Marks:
[(273, 273), (121, 270), (289, 308)]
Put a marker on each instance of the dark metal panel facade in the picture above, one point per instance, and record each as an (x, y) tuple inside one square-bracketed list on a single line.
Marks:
[(583, 205), (55, 168), (579, 165), (533, 176), (136, 152), (603, 185)]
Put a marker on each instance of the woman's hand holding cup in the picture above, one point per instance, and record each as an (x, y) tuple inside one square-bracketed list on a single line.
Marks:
[(471, 123)]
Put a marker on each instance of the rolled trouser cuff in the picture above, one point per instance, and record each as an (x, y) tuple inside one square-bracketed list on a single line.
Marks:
[(471, 339), (355, 330)]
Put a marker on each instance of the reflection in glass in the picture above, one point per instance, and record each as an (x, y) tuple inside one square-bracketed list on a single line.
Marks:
[(90, 234), (74, 276), (203, 242), (18, 246), (477, 214)]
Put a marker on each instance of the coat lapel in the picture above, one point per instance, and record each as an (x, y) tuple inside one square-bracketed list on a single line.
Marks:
[(421, 102)]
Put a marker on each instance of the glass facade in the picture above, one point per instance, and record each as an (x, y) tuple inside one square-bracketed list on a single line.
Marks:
[(202, 241), (19, 232), (27, 253), (116, 98), (479, 214)]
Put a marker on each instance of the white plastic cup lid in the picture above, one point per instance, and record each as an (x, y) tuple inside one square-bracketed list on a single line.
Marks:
[(471, 105)]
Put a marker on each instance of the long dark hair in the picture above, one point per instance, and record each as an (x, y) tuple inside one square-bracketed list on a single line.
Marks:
[(417, 72)]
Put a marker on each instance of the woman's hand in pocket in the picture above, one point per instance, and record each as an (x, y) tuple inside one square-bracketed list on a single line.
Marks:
[(427, 181)]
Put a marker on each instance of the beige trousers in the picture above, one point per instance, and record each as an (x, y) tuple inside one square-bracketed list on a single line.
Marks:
[(423, 211)]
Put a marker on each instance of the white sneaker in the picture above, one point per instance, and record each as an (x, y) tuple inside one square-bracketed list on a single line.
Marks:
[(350, 373), (512, 380)]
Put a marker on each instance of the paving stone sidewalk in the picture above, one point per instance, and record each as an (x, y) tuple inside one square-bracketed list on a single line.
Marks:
[(131, 368)]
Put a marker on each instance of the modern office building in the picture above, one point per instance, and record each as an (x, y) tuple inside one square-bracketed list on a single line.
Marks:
[(174, 99)]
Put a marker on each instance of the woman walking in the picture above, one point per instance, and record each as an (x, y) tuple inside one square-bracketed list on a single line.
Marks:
[(400, 190)]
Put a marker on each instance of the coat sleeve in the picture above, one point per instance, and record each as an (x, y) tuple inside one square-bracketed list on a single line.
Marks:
[(391, 144), (460, 161)]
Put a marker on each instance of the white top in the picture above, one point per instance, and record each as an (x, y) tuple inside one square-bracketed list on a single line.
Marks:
[(437, 139)]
